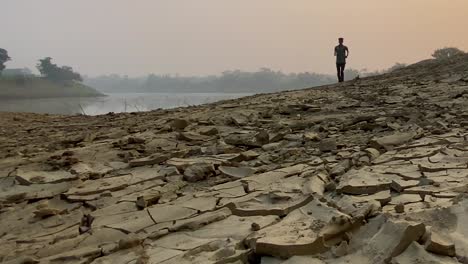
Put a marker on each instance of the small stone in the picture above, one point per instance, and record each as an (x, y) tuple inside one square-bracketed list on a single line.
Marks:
[(141, 203), (135, 140), (85, 224), (106, 194), (327, 145), (330, 187), (198, 172), (129, 242), (373, 153), (312, 136), (210, 131), (400, 208), (255, 227), (179, 124)]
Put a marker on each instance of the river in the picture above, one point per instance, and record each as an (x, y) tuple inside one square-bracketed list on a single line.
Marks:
[(115, 102)]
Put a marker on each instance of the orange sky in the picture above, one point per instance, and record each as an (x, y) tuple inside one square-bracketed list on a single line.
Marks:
[(209, 36)]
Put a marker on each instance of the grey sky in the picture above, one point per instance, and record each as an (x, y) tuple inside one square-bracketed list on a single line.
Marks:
[(197, 37)]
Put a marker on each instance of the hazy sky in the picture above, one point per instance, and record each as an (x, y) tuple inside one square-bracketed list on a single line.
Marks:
[(197, 37)]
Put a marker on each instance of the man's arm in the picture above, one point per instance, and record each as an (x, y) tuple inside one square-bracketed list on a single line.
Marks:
[(347, 52), (335, 51)]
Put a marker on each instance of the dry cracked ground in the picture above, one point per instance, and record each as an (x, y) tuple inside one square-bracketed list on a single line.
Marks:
[(374, 170)]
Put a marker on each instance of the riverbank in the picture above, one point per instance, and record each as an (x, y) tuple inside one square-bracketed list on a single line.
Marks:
[(368, 171)]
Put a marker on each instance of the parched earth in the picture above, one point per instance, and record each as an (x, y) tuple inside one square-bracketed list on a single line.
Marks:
[(373, 170)]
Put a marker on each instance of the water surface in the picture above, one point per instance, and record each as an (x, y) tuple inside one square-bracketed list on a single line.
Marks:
[(115, 102)]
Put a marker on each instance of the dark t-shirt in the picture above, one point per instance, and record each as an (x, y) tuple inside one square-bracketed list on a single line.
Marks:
[(340, 52)]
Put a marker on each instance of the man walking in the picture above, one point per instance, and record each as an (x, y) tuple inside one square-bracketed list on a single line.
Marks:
[(341, 54)]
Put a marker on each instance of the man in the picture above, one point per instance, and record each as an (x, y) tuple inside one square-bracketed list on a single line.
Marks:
[(341, 54)]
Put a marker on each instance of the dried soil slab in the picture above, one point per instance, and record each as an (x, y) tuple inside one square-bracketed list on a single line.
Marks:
[(147, 161), (233, 189), (90, 168), (169, 213), (381, 240), (196, 222), (391, 141), (415, 253), (234, 227), (18, 193), (25, 177), (440, 244), (282, 240), (130, 222), (217, 251), (401, 185), (261, 181), (217, 160), (405, 169), (442, 164), (201, 204), (383, 197), (133, 222), (279, 204), (363, 182), (416, 153), (393, 238), (237, 172), (101, 185)]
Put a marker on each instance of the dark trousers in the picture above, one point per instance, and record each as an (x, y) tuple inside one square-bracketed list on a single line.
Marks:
[(340, 67)]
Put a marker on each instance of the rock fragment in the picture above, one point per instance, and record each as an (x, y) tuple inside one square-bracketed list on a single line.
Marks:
[(198, 172), (179, 124), (327, 145), (250, 139), (439, 244), (400, 208), (85, 223)]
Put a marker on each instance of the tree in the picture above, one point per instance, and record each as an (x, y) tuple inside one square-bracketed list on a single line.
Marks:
[(55, 73), (446, 53), (3, 58)]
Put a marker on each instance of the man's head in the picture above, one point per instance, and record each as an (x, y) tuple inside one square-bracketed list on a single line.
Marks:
[(341, 40)]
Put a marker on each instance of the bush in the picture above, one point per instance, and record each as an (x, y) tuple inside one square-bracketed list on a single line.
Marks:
[(446, 53)]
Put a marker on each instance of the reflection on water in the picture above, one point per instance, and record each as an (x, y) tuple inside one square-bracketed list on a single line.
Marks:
[(118, 102)]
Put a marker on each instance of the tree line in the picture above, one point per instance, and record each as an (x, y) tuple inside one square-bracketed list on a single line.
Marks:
[(47, 69)]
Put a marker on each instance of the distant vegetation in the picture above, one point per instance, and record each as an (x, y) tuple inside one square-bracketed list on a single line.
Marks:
[(55, 73), (446, 53), (55, 81), (264, 80), (3, 58), (33, 87), (237, 81)]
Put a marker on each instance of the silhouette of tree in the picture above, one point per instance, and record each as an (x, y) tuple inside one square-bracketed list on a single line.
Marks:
[(53, 72), (3, 58), (446, 53)]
